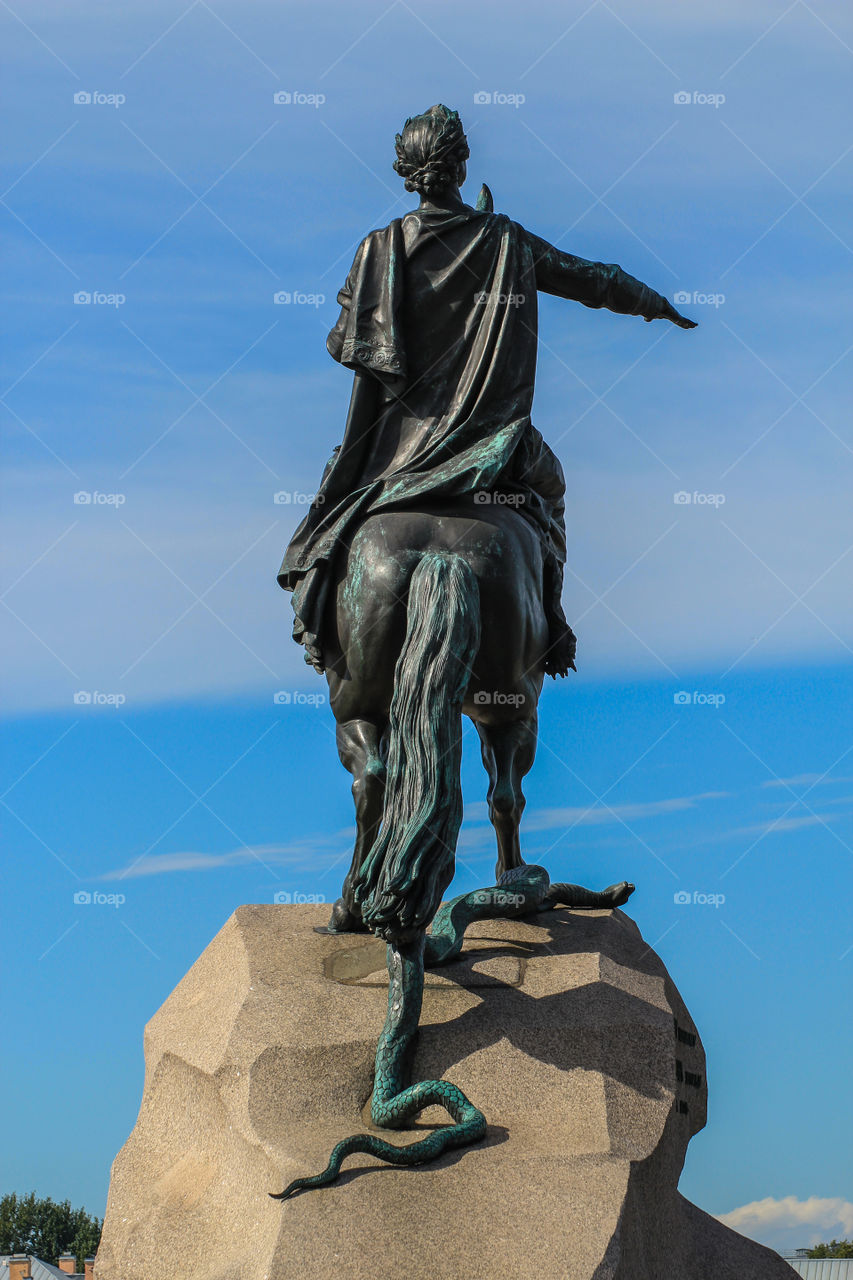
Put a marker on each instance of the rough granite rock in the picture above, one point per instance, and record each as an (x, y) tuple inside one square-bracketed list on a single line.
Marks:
[(568, 1033)]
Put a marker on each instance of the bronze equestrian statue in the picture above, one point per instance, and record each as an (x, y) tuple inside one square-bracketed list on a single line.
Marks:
[(427, 578)]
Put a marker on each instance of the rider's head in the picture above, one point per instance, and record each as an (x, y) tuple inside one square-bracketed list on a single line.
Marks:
[(431, 151)]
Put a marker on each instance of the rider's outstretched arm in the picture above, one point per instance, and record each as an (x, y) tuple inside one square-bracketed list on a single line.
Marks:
[(598, 284)]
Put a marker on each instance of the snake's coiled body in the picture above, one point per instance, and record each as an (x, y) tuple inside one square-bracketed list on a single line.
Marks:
[(520, 892)]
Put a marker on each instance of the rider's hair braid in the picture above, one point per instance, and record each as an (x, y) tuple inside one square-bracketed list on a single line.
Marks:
[(430, 150)]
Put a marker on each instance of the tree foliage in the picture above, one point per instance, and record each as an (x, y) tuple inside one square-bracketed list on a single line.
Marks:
[(835, 1249), (44, 1229)]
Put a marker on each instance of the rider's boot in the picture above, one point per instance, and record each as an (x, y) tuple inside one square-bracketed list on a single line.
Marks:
[(562, 643)]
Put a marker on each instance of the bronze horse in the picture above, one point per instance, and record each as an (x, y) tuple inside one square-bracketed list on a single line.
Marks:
[(451, 604)]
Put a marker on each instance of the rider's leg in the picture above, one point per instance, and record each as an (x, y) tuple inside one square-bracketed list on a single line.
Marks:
[(562, 644), (359, 747), (539, 467), (508, 751)]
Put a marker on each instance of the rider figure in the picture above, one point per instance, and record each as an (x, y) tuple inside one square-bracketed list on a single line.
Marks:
[(439, 324)]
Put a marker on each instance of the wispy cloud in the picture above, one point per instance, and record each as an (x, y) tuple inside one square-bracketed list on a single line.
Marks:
[(785, 824), (792, 1223), (476, 831), (598, 815), (291, 854)]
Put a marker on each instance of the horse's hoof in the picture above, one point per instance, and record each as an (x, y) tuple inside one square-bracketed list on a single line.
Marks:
[(342, 920)]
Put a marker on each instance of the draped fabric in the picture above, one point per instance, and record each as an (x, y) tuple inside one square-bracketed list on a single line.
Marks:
[(439, 324)]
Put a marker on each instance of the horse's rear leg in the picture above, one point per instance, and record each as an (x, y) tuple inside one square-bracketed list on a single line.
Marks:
[(359, 747), (508, 752)]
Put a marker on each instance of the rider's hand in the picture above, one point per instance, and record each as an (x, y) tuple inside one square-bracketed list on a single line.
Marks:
[(669, 312)]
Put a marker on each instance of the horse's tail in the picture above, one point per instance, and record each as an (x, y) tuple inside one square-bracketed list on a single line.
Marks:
[(401, 882)]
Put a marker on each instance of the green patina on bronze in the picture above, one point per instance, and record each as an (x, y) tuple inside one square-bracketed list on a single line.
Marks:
[(394, 1101)]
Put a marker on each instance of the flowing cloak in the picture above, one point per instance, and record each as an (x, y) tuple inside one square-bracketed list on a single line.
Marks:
[(439, 324)]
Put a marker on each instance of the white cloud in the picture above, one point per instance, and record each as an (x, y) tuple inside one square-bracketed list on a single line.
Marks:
[(779, 825), (790, 1223), (652, 587), (292, 854), (101, 611), (596, 815), (476, 831)]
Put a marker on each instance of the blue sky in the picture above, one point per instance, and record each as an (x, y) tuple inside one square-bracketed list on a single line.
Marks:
[(181, 399)]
